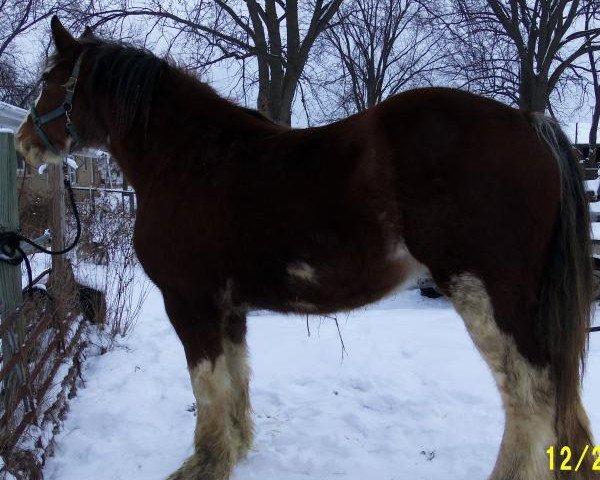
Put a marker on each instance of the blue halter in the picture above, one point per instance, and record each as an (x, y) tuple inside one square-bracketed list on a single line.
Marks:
[(65, 109)]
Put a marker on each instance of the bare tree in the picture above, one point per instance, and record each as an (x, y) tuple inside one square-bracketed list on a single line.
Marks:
[(518, 48), (11, 86), (19, 18), (593, 137), (481, 60), (594, 80), (381, 47), (277, 34)]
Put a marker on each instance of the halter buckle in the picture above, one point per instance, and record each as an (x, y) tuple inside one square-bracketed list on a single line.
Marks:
[(70, 84)]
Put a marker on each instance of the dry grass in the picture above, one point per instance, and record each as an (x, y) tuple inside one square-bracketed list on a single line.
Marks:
[(107, 262), (34, 212)]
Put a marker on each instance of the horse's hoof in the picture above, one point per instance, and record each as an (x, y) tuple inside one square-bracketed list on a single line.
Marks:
[(203, 466)]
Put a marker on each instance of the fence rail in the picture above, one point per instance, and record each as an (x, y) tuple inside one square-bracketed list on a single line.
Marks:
[(129, 194)]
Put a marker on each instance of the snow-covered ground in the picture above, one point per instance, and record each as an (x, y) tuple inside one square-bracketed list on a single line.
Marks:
[(410, 399)]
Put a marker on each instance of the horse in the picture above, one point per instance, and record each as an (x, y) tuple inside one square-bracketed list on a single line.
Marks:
[(237, 213)]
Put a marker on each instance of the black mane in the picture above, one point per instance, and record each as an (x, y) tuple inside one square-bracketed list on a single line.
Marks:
[(129, 75)]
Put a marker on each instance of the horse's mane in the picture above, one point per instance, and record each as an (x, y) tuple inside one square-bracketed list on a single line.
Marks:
[(130, 75)]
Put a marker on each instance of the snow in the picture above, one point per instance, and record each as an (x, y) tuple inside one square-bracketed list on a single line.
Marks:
[(10, 117), (410, 399), (592, 185), (71, 162)]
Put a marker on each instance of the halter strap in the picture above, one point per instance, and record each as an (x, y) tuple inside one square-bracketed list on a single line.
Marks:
[(64, 109)]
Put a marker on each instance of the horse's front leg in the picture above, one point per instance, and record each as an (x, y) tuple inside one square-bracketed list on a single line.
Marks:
[(214, 343), (236, 353)]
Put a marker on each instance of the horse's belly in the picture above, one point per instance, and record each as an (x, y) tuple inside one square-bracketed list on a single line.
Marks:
[(343, 283)]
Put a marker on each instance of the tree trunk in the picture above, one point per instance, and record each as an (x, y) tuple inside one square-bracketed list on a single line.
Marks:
[(55, 176), (594, 130), (533, 91), (275, 100)]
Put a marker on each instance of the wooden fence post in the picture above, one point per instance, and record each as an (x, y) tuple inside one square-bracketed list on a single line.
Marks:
[(10, 276), (57, 189)]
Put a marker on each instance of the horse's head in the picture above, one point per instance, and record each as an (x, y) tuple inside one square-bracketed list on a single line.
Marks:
[(51, 128)]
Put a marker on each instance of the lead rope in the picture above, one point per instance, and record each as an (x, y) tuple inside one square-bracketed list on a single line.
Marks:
[(12, 253)]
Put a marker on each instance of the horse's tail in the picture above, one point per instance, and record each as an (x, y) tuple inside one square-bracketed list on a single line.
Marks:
[(565, 300)]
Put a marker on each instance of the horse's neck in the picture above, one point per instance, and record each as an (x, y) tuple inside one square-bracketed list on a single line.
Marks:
[(185, 118)]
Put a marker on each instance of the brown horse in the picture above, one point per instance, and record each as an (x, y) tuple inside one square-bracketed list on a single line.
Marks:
[(237, 213)]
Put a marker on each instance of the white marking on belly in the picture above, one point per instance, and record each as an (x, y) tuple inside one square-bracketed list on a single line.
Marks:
[(302, 271)]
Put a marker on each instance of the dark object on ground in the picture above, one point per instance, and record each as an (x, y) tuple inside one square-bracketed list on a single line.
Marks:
[(93, 304), (431, 292), (428, 288)]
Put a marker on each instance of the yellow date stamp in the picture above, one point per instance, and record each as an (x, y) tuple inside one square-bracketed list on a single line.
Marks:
[(566, 459)]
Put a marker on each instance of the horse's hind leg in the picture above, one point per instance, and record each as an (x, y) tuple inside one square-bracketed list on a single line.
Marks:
[(217, 439), (527, 390)]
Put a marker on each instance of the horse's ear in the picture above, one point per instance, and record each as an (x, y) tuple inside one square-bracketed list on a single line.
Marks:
[(62, 38), (88, 33)]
